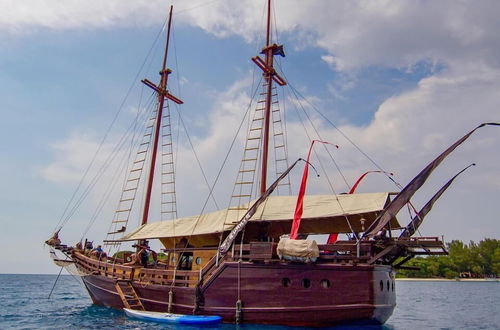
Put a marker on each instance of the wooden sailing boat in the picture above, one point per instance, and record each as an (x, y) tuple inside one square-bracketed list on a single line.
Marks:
[(234, 262)]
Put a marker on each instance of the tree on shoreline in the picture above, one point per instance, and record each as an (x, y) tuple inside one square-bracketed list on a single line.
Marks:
[(472, 260)]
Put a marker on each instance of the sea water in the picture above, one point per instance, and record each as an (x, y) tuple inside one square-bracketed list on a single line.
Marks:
[(24, 304)]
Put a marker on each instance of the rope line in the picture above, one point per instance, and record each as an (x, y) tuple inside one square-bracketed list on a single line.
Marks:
[(64, 218)]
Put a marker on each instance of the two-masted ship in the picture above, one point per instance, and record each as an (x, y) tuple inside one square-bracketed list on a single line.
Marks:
[(254, 261)]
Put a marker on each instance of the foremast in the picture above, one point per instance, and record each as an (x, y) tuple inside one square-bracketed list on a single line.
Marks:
[(270, 75), (163, 93)]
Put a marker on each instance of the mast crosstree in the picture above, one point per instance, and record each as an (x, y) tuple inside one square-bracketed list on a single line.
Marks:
[(267, 116), (163, 93), (270, 75), (158, 131)]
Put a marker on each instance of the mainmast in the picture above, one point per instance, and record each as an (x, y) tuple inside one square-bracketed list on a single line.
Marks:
[(161, 90), (269, 75)]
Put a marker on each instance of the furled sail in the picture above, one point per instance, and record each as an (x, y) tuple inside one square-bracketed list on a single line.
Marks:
[(407, 193), (224, 247), (419, 218)]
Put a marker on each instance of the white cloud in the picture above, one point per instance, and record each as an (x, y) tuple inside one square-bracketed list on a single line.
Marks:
[(407, 131), (355, 33), (363, 33), (72, 156), (19, 16)]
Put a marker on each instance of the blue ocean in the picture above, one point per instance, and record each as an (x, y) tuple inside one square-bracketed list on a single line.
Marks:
[(421, 305)]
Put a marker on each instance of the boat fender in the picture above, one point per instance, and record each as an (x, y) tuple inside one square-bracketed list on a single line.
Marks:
[(199, 299), (238, 311), (170, 299)]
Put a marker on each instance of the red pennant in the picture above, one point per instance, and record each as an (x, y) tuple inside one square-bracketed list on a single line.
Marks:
[(299, 207)]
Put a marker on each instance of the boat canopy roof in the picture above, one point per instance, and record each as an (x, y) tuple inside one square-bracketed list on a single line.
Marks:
[(323, 214)]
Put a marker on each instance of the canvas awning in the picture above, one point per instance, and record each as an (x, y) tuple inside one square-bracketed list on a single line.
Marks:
[(323, 214)]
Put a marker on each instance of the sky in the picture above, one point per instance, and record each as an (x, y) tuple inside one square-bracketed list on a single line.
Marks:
[(402, 79)]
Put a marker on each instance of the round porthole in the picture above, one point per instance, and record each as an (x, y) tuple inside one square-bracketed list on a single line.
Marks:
[(306, 283), (388, 285), (198, 260), (381, 285), (286, 282), (325, 284)]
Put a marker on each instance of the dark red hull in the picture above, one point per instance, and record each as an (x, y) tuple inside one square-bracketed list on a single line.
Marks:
[(287, 294)]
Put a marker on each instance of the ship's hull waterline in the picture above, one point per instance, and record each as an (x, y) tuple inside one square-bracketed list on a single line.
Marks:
[(286, 294)]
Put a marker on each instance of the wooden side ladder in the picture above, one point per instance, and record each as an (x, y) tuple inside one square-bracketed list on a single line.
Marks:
[(128, 295)]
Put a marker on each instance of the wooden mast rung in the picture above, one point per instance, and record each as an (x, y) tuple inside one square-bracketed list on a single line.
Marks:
[(245, 171), (131, 295), (125, 210)]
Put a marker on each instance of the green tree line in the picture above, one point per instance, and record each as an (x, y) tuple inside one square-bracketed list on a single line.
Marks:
[(472, 260)]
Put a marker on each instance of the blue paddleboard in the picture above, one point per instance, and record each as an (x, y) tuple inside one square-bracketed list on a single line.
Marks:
[(173, 318)]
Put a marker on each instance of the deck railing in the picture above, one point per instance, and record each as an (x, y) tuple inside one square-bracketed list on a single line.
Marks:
[(342, 252), (138, 273)]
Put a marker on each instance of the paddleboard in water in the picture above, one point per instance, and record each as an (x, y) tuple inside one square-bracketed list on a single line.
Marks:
[(173, 318)]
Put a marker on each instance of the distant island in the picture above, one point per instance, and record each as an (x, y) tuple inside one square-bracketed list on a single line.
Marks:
[(471, 260)]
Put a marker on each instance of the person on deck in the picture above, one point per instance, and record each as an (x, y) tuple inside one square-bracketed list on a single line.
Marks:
[(98, 253), (142, 257)]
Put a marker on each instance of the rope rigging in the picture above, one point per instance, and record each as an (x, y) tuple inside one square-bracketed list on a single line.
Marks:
[(82, 193), (64, 218)]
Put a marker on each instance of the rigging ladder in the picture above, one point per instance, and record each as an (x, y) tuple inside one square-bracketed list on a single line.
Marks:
[(131, 185), (128, 295), (168, 193), (280, 145), (243, 190)]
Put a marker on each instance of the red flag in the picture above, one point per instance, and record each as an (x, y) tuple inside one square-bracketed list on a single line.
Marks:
[(362, 177), (332, 238), (299, 207)]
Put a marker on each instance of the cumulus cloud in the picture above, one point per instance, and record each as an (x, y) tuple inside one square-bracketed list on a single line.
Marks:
[(19, 17), (407, 130), (355, 33), (72, 157)]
